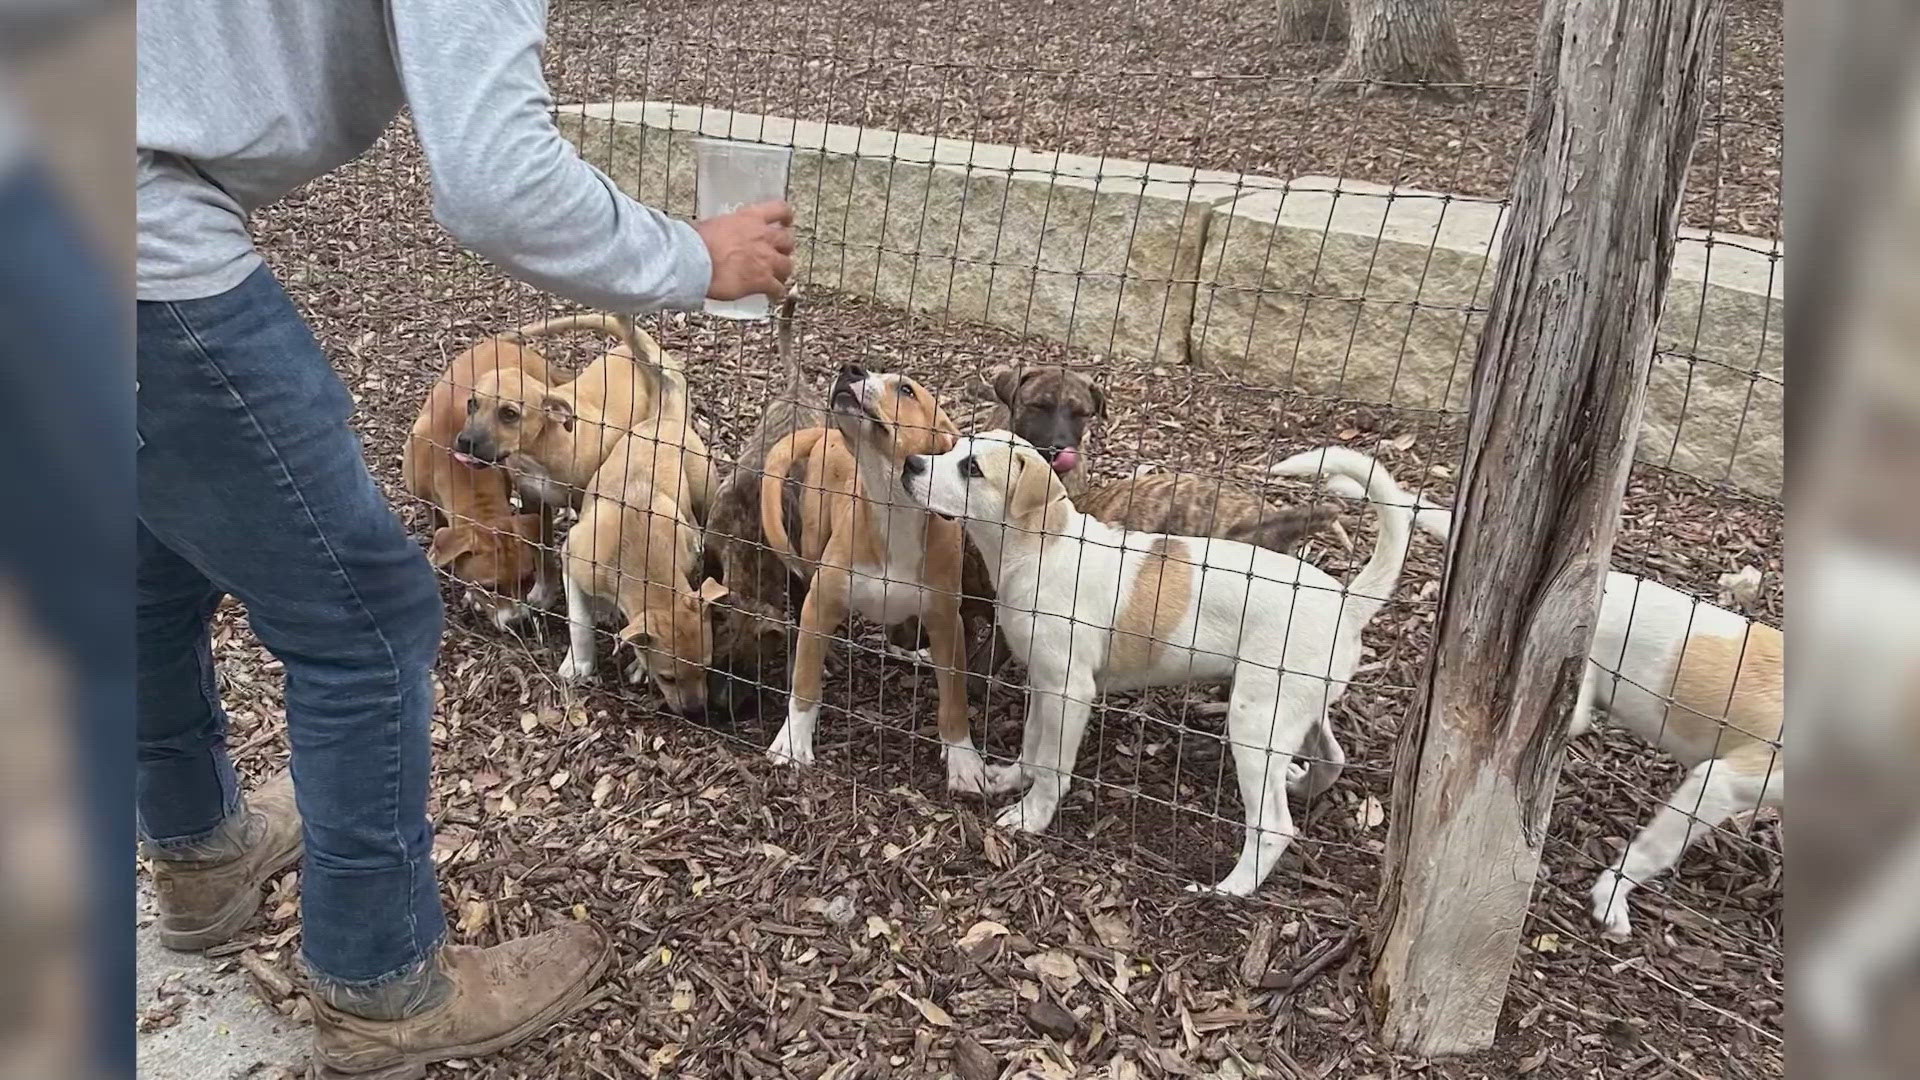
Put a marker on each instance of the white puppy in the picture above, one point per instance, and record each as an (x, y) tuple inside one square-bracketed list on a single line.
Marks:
[(1093, 608), (1702, 683)]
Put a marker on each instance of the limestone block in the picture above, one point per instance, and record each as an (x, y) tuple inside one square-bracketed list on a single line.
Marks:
[(1347, 290), (1099, 254), (1362, 292)]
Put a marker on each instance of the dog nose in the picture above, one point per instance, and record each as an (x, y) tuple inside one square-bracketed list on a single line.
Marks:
[(914, 465), (463, 443), (853, 372)]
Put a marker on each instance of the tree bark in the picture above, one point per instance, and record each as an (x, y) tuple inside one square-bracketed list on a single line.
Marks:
[(1312, 20), (1557, 393), (1401, 44)]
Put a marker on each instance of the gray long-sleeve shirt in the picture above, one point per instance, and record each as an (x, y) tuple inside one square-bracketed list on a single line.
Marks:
[(242, 101)]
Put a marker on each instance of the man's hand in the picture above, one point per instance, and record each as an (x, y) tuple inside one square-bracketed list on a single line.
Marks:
[(751, 250)]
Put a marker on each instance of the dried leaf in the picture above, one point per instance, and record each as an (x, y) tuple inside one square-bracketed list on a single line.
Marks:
[(602, 788), (1402, 442), (1545, 943), (935, 1015), (980, 932), (528, 722), (1113, 931), (1055, 965), (474, 914), (1370, 814), (877, 927), (559, 780)]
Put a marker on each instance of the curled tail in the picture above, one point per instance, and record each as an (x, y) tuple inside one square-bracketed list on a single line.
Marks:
[(773, 479), (645, 351), (1428, 516), (1344, 470)]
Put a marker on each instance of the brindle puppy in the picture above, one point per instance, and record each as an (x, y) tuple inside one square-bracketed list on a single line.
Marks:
[(1183, 504), (1050, 406)]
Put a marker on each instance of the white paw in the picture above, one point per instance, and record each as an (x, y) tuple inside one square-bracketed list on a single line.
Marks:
[(574, 668), (505, 615), (1296, 777), (543, 596), (966, 773), (916, 657), (1610, 905), (1028, 815), (794, 744), (1231, 885), (1002, 779)]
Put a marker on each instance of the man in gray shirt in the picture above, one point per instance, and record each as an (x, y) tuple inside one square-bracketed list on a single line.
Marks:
[(252, 485)]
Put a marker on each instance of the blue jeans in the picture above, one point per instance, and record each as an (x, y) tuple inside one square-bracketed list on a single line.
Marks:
[(252, 485)]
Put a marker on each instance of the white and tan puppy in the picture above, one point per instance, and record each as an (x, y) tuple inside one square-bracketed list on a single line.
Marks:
[(1092, 608), (1702, 683)]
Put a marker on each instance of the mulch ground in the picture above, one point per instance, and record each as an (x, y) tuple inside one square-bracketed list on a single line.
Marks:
[(853, 919)]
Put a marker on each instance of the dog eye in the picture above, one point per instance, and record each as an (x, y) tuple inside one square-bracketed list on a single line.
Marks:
[(905, 389), (971, 468), (509, 415), (473, 406)]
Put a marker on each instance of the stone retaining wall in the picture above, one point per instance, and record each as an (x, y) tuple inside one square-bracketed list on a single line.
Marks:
[(1337, 287)]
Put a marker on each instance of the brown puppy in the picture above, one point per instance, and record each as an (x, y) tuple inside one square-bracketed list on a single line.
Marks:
[(636, 550), (1050, 406), (1182, 504), (555, 437), (863, 547), (479, 539)]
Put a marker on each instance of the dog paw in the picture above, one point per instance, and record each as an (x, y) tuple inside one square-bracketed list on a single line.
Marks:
[(916, 657), (1610, 905), (1297, 773), (574, 670), (1231, 885), (506, 615), (790, 748), (966, 772), (1002, 779), (543, 597), (1029, 815)]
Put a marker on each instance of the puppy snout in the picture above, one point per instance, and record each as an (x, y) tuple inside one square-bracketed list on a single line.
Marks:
[(463, 443), (914, 465), (853, 373)]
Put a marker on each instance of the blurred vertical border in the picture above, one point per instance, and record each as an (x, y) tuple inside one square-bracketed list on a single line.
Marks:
[(66, 540), (1853, 392)]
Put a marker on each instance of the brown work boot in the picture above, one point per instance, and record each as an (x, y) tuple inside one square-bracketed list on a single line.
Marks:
[(490, 999), (208, 893)]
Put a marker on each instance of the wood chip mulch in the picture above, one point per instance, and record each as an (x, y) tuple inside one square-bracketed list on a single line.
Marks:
[(854, 920)]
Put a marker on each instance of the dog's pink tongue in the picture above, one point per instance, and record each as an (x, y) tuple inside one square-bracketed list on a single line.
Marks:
[(469, 460), (1065, 460)]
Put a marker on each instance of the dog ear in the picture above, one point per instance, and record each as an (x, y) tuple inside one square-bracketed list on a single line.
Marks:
[(449, 543), (1006, 383), (1032, 494), (1099, 400), (712, 592), (558, 409)]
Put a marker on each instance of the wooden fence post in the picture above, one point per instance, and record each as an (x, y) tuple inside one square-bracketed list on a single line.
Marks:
[(1558, 386)]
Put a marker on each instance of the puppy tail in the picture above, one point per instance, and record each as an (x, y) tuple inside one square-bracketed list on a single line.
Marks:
[(1343, 470), (1428, 516), (783, 344), (773, 478), (649, 355)]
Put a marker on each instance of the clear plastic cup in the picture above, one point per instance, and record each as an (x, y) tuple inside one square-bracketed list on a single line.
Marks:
[(728, 175)]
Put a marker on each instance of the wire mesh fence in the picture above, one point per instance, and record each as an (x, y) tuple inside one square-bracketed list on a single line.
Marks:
[(1162, 246)]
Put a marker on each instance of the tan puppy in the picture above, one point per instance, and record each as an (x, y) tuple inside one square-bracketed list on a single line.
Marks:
[(479, 539), (555, 437), (636, 551), (864, 547)]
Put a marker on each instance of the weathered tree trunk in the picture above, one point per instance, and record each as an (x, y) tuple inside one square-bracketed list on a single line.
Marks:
[(1403, 44), (1312, 20), (1557, 392)]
